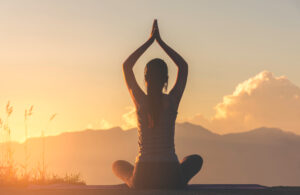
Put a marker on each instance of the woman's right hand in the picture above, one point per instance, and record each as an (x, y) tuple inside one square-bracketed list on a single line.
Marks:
[(155, 31)]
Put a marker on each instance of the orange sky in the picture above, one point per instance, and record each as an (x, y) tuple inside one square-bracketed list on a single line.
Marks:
[(65, 57)]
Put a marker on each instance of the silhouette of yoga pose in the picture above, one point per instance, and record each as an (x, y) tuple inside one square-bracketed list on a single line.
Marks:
[(156, 165)]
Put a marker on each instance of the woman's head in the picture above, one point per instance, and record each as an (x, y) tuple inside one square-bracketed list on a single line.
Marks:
[(156, 78), (156, 75)]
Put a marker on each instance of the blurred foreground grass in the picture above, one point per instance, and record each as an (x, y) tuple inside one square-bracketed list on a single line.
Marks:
[(12, 174)]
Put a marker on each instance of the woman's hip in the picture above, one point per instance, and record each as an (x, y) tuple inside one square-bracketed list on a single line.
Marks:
[(157, 175)]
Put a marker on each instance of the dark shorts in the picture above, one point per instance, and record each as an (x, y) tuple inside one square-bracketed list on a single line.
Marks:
[(157, 175)]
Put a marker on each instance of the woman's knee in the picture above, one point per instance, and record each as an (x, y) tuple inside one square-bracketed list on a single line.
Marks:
[(197, 158), (123, 170), (198, 161), (121, 165), (190, 166), (194, 160), (116, 163)]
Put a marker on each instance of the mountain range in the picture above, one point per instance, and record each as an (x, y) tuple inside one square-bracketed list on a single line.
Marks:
[(266, 156)]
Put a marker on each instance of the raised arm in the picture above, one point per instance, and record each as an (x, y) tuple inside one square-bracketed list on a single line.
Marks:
[(136, 92), (181, 64)]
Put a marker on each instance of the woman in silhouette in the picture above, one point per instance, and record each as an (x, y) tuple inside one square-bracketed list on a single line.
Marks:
[(156, 165)]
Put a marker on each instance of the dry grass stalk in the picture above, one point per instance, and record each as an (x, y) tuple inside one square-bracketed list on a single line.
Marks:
[(12, 174), (27, 114)]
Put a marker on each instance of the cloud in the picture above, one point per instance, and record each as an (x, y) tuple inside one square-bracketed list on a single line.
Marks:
[(104, 124), (89, 126), (263, 100), (129, 118)]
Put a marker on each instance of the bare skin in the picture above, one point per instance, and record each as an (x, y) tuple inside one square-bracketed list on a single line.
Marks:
[(136, 92)]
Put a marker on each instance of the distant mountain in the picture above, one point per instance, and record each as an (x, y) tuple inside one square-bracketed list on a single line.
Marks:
[(266, 156)]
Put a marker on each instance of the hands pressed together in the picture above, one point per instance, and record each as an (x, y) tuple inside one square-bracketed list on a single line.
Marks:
[(155, 32), (179, 86)]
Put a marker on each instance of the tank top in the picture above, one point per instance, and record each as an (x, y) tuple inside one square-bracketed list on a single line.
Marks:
[(157, 144)]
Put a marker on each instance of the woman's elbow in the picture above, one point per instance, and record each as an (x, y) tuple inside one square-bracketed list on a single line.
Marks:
[(184, 67), (125, 67)]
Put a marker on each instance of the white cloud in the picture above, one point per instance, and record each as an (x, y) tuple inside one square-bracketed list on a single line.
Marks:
[(104, 124), (89, 126), (263, 100)]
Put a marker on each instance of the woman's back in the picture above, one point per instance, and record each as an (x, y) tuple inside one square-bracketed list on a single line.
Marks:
[(157, 143)]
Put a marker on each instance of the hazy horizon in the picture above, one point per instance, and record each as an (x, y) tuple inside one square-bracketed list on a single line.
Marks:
[(135, 129), (262, 157)]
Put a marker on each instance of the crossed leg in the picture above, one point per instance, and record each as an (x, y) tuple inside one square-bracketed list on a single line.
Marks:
[(123, 170), (190, 166)]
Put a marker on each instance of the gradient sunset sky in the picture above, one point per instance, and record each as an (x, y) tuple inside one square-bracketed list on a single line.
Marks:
[(66, 57)]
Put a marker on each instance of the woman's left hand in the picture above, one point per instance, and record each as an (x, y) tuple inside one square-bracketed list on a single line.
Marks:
[(155, 30)]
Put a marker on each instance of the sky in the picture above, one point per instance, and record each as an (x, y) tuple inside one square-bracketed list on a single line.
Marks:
[(65, 57)]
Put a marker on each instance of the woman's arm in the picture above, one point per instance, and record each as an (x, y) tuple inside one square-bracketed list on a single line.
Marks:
[(181, 64), (136, 92)]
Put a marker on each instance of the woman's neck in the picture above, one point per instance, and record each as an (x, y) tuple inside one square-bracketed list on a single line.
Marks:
[(154, 92)]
